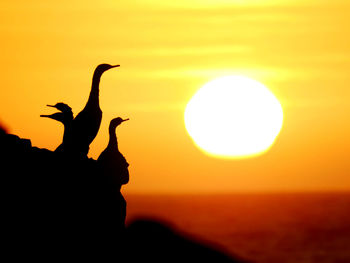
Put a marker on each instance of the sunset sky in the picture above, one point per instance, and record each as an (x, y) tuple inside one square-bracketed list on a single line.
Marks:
[(167, 50)]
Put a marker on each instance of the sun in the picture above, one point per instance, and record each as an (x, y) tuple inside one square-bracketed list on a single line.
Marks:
[(233, 117)]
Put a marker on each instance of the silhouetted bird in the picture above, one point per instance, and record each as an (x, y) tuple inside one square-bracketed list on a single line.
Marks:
[(114, 172), (87, 123), (111, 161), (66, 118)]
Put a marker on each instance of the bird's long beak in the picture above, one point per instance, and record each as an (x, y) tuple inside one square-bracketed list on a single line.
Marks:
[(115, 66), (126, 119), (47, 116), (50, 106)]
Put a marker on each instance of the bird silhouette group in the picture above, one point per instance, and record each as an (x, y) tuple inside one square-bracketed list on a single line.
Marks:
[(79, 132)]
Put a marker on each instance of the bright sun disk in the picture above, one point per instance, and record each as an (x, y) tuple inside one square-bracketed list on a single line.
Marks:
[(233, 117)]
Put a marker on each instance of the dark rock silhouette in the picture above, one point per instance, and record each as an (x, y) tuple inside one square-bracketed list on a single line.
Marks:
[(3, 130), (53, 203), (55, 207), (155, 241)]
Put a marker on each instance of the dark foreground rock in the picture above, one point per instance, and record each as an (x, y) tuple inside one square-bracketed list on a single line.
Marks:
[(59, 208)]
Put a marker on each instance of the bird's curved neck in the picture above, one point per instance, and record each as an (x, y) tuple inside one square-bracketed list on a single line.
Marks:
[(95, 89), (67, 120), (67, 123), (67, 127), (113, 142)]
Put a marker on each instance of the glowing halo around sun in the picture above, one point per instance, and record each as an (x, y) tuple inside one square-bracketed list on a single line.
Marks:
[(233, 117)]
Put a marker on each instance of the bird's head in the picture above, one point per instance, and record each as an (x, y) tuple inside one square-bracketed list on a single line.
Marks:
[(116, 122), (104, 67), (62, 107), (65, 115)]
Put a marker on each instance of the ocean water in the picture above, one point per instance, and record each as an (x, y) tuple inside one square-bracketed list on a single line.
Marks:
[(298, 228)]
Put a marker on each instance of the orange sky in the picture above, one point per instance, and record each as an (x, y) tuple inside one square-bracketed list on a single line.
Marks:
[(167, 51)]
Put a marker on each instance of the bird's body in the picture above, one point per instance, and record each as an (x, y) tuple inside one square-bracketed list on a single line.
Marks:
[(112, 163), (85, 127), (86, 124)]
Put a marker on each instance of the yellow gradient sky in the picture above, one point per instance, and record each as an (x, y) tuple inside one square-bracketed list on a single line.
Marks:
[(167, 50)]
